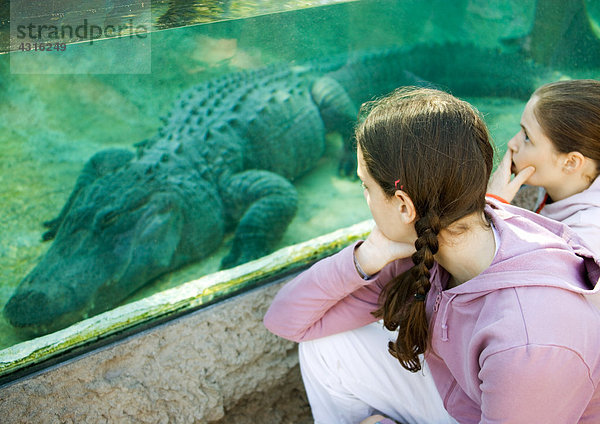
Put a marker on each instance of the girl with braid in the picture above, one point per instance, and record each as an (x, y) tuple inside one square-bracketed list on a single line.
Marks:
[(558, 149), (455, 308)]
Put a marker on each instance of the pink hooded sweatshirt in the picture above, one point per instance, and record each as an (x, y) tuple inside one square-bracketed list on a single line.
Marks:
[(581, 212), (519, 343)]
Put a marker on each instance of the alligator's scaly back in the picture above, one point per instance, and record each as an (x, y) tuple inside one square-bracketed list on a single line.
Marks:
[(252, 115)]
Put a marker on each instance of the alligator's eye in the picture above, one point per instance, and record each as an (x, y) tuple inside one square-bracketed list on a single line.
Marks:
[(107, 219)]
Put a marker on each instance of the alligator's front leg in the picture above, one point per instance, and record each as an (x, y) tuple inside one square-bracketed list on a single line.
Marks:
[(102, 163), (266, 203)]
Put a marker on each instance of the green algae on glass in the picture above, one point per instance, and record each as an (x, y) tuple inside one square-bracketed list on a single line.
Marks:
[(186, 297), (178, 13)]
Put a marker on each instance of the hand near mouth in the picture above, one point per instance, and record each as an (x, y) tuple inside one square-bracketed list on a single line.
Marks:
[(502, 185)]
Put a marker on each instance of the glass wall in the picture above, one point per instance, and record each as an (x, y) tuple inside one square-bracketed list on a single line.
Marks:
[(161, 156)]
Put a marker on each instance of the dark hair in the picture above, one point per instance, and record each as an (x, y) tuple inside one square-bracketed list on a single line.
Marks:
[(569, 114), (438, 147)]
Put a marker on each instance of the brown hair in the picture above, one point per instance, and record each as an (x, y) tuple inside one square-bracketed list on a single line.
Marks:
[(569, 114), (438, 147)]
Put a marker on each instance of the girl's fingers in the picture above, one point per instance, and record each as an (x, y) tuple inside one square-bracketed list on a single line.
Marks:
[(501, 184), (506, 161), (523, 176)]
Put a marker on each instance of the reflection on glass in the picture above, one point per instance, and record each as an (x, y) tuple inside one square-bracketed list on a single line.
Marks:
[(24, 24), (236, 143)]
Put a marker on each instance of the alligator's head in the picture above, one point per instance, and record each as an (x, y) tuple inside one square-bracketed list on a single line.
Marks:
[(120, 232)]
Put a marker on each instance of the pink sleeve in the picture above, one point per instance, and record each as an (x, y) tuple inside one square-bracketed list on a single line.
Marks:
[(328, 298), (534, 384)]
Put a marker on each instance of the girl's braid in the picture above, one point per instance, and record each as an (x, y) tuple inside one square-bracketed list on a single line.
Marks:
[(404, 297), (427, 229)]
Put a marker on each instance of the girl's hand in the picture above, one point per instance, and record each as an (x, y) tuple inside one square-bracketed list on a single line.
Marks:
[(378, 250), (500, 183)]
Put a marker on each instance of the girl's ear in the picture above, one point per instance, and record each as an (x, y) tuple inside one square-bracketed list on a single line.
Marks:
[(406, 208), (573, 162)]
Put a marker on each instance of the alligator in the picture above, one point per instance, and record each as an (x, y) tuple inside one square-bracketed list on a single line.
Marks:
[(223, 162)]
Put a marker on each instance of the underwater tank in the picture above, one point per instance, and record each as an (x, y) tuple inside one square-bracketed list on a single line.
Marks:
[(191, 151)]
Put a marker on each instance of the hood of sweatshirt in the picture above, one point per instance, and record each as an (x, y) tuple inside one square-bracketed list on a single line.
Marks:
[(564, 209), (533, 251), (523, 259)]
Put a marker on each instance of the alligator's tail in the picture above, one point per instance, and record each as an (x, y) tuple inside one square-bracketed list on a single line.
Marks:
[(464, 70)]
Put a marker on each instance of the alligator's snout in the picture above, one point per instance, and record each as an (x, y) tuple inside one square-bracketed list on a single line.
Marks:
[(39, 306), (27, 308)]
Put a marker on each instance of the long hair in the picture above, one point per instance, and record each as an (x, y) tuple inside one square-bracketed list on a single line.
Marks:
[(438, 147), (569, 114)]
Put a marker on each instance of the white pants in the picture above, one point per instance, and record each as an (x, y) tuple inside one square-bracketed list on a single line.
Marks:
[(350, 376)]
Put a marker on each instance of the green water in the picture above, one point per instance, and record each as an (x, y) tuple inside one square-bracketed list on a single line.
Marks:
[(51, 124)]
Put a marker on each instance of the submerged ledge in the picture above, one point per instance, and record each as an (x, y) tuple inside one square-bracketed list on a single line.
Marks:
[(185, 297)]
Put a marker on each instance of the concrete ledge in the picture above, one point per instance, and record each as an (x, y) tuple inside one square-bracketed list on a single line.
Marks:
[(218, 364)]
